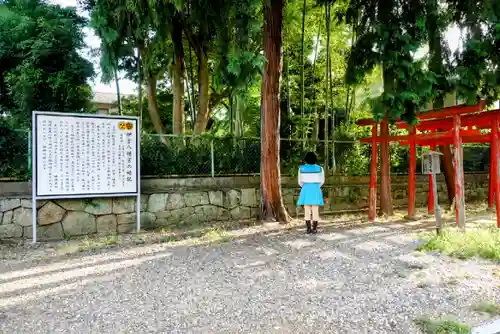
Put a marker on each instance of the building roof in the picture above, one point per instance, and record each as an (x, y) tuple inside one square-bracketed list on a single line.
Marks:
[(104, 98)]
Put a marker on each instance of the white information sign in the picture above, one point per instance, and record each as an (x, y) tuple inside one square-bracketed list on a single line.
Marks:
[(82, 156)]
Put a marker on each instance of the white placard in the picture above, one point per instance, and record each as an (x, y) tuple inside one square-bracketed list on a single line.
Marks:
[(85, 155)]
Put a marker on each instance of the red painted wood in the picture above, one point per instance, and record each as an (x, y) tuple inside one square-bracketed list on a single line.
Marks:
[(412, 179), (437, 113), (372, 196), (492, 174), (495, 149)]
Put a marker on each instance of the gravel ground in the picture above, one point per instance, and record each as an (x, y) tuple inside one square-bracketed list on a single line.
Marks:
[(361, 279)]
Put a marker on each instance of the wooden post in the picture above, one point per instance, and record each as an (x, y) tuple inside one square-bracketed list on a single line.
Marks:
[(492, 173), (459, 172), (372, 196), (496, 167), (430, 194), (412, 178)]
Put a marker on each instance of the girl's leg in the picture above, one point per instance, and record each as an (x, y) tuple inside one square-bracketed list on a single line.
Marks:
[(315, 218), (307, 217)]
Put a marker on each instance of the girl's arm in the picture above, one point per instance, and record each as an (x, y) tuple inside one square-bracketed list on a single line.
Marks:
[(322, 177), (301, 183)]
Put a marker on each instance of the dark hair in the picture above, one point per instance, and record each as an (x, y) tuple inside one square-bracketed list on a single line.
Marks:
[(310, 158)]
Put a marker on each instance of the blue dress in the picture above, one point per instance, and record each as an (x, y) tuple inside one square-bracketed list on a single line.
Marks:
[(311, 178)]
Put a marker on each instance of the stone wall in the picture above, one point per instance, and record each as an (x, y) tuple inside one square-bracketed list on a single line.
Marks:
[(182, 202)]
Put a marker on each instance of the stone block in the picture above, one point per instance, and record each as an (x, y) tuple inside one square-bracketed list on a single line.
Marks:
[(9, 204), (233, 198), (127, 228), (148, 220), (241, 213), (175, 201), (144, 202), (50, 213), (47, 232), (22, 217), (106, 224), (196, 199), (7, 217), (124, 205), (249, 198), (127, 219), (163, 214), (72, 204), (209, 213), (39, 204), (79, 223), (10, 231), (157, 202), (99, 207), (179, 215), (27, 203), (216, 198)]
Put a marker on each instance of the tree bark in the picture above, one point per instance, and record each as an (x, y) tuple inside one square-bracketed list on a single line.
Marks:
[(118, 95), (153, 104), (139, 81), (203, 87), (436, 66), (239, 109), (178, 78), (272, 207), (385, 161)]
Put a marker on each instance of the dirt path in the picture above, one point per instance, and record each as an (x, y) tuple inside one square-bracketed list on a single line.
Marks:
[(358, 279)]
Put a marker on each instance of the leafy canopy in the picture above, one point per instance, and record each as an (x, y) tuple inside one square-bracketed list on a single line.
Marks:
[(41, 67)]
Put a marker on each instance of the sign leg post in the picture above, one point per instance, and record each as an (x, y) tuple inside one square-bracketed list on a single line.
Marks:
[(33, 218), (138, 208)]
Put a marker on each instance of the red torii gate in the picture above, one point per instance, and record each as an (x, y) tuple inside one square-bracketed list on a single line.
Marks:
[(448, 126)]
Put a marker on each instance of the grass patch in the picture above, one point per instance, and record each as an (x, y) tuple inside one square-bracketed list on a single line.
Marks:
[(167, 239), (441, 326), (91, 244), (216, 235), (488, 307), (111, 240), (481, 242)]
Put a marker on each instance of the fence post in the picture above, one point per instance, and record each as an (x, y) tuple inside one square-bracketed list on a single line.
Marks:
[(29, 154), (212, 158)]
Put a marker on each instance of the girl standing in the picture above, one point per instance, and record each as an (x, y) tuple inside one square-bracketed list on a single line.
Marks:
[(311, 179)]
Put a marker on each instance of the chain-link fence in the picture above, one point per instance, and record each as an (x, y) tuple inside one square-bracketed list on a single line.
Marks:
[(168, 156), (15, 154)]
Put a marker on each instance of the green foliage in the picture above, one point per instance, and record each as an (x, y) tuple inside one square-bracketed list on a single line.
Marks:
[(13, 152), (480, 242), (490, 308), (40, 64), (130, 106), (441, 326)]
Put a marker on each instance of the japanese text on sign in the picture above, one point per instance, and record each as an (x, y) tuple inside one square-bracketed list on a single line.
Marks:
[(82, 155)]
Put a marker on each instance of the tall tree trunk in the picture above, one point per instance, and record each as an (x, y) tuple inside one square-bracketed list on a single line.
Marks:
[(203, 87), (239, 102), (118, 95), (272, 207), (436, 66), (385, 160), (178, 84), (302, 81), (153, 104), (328, 83), (139, 81)]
